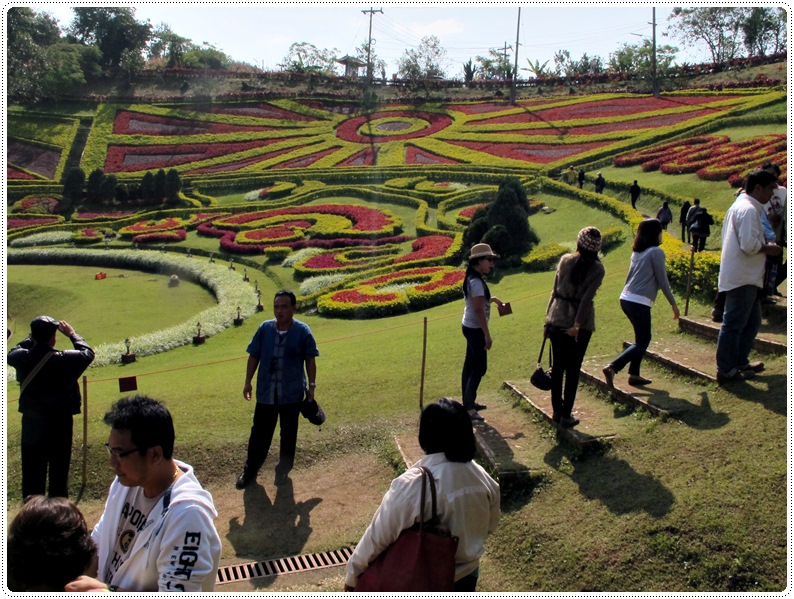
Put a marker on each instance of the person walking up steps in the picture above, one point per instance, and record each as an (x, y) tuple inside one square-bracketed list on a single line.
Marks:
[(647, 274)]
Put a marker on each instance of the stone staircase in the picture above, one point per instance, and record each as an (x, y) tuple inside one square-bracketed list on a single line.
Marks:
[(78, 145), (682, 367)]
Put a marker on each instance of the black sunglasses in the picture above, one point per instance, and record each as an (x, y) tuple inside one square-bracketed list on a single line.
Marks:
[(120, 454)]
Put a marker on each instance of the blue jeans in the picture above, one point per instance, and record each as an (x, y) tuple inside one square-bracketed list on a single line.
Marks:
[(640, 318), (740, 323), (474, 366)]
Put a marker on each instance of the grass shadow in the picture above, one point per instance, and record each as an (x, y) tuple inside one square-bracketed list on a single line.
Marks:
[(773, 398), (627, 491)]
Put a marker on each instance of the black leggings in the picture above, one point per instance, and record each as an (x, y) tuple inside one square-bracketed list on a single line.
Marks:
[(474, 366)]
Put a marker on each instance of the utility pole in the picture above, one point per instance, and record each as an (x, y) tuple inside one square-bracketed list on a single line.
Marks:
[(654, 78), (513, 91), (371, 12)]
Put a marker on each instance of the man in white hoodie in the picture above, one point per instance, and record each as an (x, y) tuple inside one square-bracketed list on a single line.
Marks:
[(157, 531)]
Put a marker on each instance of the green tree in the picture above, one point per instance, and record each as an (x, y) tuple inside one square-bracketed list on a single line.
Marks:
[(73, 185), (63, 72), (28, 33), (93, 188), (637, 59), (378, 64), (304, 57), (537, 69), (504, 223), (112, 30), (159, 185), (496, 65), (173, 185), (716, 27), (205, 56), (147, 186), (167, 46), (469, 70), (107, 188), (764, 30), (423, 62)]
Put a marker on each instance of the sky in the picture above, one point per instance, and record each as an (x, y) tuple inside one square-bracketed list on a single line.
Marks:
[(261, 34)]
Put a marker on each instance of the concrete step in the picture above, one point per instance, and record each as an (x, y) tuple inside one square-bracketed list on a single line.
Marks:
[(685, 363), (596, 417), (593, 376), (708, 329)]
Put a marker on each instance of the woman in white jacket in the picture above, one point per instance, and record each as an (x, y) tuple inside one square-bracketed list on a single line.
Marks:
[(468, 498)]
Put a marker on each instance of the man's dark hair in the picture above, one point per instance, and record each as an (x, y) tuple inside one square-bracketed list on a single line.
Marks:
[(445, 427), (287, 293), (758, 178), (647, 235), (148, 420), (48, 545)]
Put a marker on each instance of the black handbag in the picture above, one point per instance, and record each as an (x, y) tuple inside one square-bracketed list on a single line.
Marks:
[(542, 378), (312, 411)]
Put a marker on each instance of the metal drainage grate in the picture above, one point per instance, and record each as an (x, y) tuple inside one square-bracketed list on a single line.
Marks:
[(284, 565)]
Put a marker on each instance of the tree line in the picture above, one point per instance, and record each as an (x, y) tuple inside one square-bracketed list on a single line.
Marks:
[(44, 63)]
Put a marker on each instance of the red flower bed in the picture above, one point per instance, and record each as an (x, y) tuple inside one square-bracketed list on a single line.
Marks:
[(136, 123), (262, 111), (33, 158), (363, 218), (652, 157), (168, 236), (349, 130), (277, 232), (36, 205), (18, 175), (414, 155), (127, 159), (23, 223), (430, 246), (239, 164), (304, 161), (89, 216), (365, 157), (468, 212), (620, 107), (537, 153)]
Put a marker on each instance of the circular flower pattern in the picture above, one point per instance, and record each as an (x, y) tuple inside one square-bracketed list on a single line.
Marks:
[(392, 125)]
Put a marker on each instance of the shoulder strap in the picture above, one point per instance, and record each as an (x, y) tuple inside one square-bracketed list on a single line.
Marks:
[(35, 371), (427, 476)]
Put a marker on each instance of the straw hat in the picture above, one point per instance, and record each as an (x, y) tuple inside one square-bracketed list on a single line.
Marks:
[(482, 250)]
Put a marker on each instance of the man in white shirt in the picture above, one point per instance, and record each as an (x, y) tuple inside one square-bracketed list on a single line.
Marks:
[(157, 533), (744, 252)]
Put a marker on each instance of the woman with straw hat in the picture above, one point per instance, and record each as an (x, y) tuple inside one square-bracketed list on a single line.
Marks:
[(477, 311)]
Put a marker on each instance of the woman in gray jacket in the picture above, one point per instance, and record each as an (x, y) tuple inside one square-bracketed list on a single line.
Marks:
[(570, 320), (647, 274)]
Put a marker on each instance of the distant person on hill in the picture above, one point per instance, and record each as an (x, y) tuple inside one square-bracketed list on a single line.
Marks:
[(600, 183), (49, 398), (744, 251), (157, 533), (634, 192), (283, 349), (580, 178), (685, 234), (701, 229), (570, 176), (477, 301), (48, 546), (570, 320), (664, 215), (647, 275), (692, 213)]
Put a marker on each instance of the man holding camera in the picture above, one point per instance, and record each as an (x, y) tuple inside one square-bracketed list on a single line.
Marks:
[(48, 399), (281, 349)]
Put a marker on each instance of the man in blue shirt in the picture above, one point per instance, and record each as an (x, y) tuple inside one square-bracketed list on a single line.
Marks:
[(280, 350)]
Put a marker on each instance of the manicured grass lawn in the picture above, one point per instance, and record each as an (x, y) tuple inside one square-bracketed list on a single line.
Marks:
[(124, 304)]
